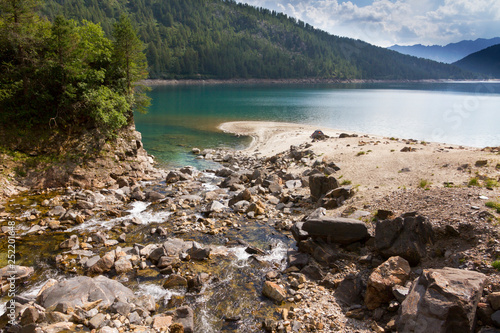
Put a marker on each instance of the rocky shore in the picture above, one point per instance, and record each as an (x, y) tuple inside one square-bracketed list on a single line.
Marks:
[(294, 234)]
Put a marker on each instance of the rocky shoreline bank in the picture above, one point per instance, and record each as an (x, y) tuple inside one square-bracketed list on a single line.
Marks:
[(276, 243)]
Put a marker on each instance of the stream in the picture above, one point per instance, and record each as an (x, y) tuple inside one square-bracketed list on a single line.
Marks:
[(231, 301)]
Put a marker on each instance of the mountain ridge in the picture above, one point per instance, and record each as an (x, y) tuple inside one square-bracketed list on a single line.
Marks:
[(449, 53)]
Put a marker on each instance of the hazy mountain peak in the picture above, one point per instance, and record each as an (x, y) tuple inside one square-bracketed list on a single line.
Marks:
[(448, 53)]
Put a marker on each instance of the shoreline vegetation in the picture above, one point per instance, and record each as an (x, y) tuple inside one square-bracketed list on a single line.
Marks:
[(159, 82)]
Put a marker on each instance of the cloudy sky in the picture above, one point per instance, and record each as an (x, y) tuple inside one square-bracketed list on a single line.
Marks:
[(404, 22)]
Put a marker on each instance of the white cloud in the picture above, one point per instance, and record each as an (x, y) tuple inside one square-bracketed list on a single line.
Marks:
[(387, 22)]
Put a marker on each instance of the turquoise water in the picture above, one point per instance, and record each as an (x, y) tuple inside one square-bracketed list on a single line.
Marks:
[(182, 117)]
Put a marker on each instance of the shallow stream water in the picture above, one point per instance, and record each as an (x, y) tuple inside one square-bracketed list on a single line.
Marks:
[(231, 302)]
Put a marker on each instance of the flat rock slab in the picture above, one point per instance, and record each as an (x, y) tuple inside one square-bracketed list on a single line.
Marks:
[(336, 229), (442, 300), (81, 290)]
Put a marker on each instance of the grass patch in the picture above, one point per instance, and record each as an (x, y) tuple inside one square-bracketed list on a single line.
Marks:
[(494, 205), (496, 265), (491, 183), (361, 153), (346, 182), (473, 182), (424, 184)]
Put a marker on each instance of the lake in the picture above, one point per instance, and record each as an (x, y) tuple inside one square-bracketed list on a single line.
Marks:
[(185, 116)]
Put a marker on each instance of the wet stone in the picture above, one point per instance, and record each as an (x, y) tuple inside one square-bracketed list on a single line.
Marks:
[(274, 291), (174, 281)]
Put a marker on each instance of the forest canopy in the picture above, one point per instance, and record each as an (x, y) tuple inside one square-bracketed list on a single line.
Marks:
[(223, 39), (66, 73)]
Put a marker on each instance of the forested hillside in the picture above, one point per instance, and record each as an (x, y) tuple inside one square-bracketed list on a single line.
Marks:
[(486, 62), (224, 39)]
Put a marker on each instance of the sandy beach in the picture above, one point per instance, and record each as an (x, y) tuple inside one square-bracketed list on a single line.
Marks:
[(375, 165)]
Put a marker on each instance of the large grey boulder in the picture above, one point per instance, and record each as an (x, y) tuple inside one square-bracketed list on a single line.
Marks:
[(81, 290), (442, 300), (319, 184), (405, 236), (332, 229)]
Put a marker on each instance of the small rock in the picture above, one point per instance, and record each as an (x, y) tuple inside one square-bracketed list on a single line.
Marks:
[(123, 265), (97, 321), (162, 322), (481, 163), (71, 243)]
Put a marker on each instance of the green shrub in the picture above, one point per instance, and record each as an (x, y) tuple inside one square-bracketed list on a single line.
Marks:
[(496, 264)]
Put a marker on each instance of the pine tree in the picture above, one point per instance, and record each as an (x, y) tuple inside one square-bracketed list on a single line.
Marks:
[(130, 64)]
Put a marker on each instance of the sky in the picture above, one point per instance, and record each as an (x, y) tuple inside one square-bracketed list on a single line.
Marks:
[(388, 22)]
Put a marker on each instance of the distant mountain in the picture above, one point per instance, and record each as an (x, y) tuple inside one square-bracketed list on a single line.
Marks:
[(448, 53), (486, 61)]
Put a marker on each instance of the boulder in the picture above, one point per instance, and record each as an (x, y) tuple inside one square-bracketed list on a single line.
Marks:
[(243, 195), (336, 197), (395, 271), (81, 290), (215, 207), (154, 196), (162, 322), (70, 243), (241, 206), (297, 259), (19, 272), (184, 316), (350, 289), (196, 283), (173, 177), (319, 135), (333, 229), (442, 300), (174, 281), (175, 246), (405, 236), (320, 185), (123, 265), (199, 253), (104, 264), (274, 291)]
